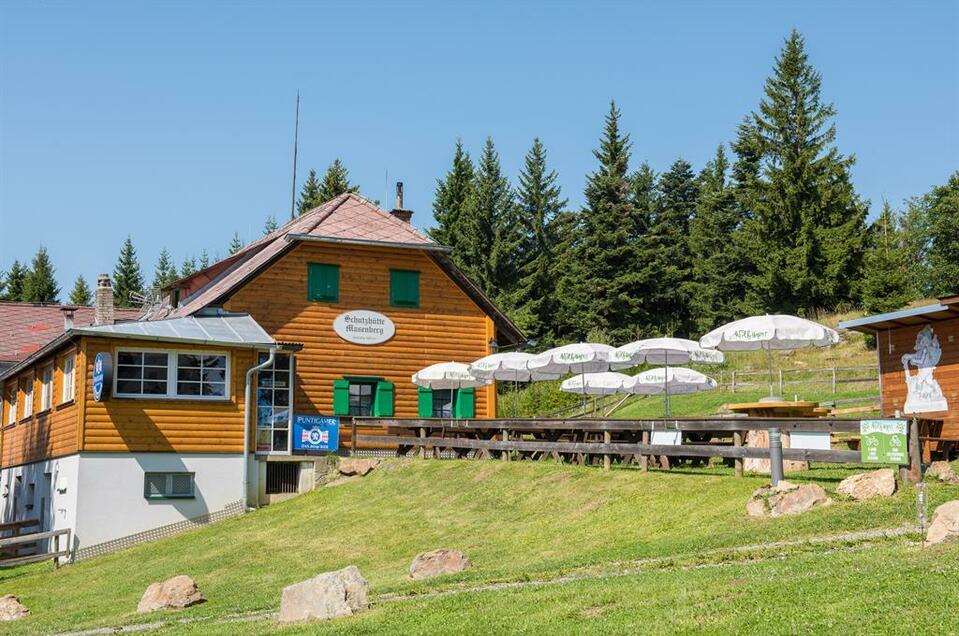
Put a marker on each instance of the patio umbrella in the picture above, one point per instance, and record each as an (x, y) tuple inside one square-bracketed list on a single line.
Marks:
[(509, 366), (581, 358), (447, 376), (605, 383), (663, 351), (676, 380), (769, 332)]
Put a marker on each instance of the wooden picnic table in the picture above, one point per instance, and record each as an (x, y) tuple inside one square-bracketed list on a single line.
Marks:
[(760, 439)]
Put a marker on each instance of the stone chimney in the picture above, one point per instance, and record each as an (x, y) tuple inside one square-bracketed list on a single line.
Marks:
[(103, 305), (399, 211), (68, 317)]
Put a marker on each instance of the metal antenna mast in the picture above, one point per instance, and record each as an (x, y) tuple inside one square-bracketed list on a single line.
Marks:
[(296, 135)]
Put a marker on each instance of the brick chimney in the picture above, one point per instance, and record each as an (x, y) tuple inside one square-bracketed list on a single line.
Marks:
[(103, 304), (399, 211)]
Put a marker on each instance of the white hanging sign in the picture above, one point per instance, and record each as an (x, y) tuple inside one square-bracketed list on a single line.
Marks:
[(364, 327)]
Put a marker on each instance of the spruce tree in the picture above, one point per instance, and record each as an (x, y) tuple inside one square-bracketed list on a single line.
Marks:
[(15, 281), (452, 192), (943, 228), (715, 288), (335, 182), (236, 244), (488, 223), (538, 202), (188, 267), (808, 224), (270, 225), (81, 294), (165, 271), (127, 277), (309, 194), (40, 285), (886, 284), (204, 259)]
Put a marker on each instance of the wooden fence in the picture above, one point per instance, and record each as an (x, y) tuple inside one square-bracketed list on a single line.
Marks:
[(783, 379), (25, 548), (594, 441)]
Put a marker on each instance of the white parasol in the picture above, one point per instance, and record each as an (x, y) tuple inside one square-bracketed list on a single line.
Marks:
[(581, 358), (605, 383), (509, 366), (676, 380)]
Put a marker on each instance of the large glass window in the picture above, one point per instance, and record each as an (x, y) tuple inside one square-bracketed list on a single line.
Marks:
[(274, 399), (443, 402), (199, 374), (142, 373), (361, 398)]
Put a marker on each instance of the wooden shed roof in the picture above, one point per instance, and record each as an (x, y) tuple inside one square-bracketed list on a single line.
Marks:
[(945, 309)]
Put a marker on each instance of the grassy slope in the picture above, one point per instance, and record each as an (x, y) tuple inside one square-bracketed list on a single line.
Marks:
[(515, 520)]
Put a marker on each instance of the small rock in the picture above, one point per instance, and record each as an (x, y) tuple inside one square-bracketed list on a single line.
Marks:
[(176, 593), (357, 466), (437, 563), (785, 499), (945, 523), (11, 608), (876, 483), (328, 595), (944, 471)]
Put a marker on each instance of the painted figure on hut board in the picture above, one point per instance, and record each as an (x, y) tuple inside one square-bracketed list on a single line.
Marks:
[(924, 395)]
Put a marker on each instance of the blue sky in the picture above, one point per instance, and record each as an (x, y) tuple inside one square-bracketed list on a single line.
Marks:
[(173, 121)]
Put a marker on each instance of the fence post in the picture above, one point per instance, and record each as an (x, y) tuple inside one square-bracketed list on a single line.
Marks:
[(732, 382), (353, 439), (607, 438), (506, 453), (644, 459), (56, 550), (738, 462), (834, 380), (781, 391), (423, 446)]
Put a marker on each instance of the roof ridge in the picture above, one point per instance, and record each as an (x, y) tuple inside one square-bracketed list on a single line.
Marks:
[(386, 213)]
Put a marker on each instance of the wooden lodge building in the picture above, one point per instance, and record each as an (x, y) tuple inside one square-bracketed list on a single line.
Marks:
[(123, 427), (918, 351)]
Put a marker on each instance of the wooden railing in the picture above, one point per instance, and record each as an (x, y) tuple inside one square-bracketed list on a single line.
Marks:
[(24, 548)]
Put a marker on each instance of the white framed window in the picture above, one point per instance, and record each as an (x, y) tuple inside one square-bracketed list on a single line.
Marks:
[(173, 375), (274, 400), (46, 388), (169, 485), (69, 378), (27, 387), (12, 406)]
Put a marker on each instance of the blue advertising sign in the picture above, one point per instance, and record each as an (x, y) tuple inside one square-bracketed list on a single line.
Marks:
[(316, 433), (102, 375)]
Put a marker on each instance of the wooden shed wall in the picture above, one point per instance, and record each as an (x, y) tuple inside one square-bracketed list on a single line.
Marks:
[(902, 341), (147, 425), (46, 434), (447, 326)]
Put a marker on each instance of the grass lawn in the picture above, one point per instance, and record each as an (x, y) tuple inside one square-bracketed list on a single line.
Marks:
[(515, 520)]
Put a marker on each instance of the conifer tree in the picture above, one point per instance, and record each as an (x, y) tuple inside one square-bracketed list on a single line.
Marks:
[(538, 202), (336, 181), (807, 223), (165, 271), (188, 267), (309, 194), (270, 225), (236, 244), (488, 226), (40, 284), (204, 259), (15, 281), (127, 277), (81, 294), (715, 288), (886, 284), (943, 226), (452, 192)]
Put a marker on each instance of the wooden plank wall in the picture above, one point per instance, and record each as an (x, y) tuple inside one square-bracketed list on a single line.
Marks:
[(893, 344), (44, 435), (134, 425), (448, 325)]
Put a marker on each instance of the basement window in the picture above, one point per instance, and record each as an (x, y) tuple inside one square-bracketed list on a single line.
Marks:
[(172, 485)]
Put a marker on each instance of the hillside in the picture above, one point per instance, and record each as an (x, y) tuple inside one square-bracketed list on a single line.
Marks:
[(520, 521)]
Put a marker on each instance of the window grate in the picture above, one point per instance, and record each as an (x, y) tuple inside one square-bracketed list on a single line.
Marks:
[(178, 485), (282, 477)]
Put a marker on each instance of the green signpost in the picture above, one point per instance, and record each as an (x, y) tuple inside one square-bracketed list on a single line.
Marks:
[(883, 442)]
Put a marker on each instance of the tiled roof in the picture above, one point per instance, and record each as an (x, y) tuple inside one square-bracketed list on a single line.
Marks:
[(25, 327)]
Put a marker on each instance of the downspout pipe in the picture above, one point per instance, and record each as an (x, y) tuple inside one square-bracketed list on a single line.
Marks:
[(248, 420)]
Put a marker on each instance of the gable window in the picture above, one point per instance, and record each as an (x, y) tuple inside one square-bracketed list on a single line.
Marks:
[(404, 288), (274, 396), (69, 378), (27, 388), (46, 388), (323, 283), (142, 373), (188, 375), (171, 485)]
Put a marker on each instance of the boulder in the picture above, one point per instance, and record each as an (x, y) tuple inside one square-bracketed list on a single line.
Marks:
[(357, 466), (328, 595), (438, 563), (945, 523), (944, 472), (11, 608), (176, 593), (785, 499), (875, 483)]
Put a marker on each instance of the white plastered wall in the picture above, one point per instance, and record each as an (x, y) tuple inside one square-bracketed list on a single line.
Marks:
[(52, 498)]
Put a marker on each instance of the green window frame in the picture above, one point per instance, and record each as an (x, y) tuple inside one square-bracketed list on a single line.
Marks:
[(323, 282), (382, 396), (404, 288), (464, 403)]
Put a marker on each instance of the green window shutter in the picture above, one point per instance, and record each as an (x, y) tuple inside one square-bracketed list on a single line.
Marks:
[(383, 400), (341, 397), (465, 405), (425, 402), (323, 283), (404, 288)]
